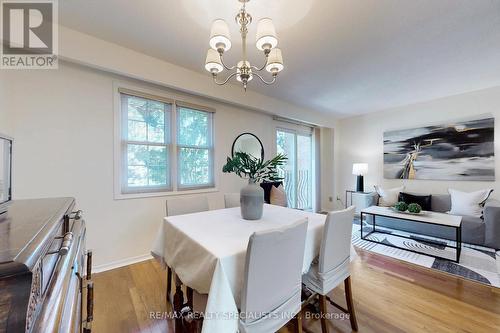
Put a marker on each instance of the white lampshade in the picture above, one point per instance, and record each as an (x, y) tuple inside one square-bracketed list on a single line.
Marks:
[(359, 169), (219, 35), (266, 34), (213, 63), (240, 64), (275, 61)]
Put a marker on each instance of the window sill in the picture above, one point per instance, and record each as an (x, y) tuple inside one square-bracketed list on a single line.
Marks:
[(121, 196)]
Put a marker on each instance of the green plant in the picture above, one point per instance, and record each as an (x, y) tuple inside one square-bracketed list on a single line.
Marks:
[(401, 206), (248, 166), (414, 208)]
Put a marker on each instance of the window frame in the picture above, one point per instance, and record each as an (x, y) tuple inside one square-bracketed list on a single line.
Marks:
[(121, 143), (125, 142), (209, 147)]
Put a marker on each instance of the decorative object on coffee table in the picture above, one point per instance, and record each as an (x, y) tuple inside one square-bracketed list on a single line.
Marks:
[(256, 170), (414, 208), (359, 170), (401, 206)]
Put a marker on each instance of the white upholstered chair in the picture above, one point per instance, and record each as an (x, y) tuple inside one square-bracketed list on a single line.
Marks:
[(181, 206), (232, 200), (272, 279), (332, 266)]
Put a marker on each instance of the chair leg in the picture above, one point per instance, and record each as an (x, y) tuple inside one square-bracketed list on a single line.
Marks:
[(298, 322), (350, 303), (189, 295), (323, 312), (169, 283)]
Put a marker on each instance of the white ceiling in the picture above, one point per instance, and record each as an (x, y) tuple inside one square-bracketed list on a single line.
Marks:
[(344, 57)]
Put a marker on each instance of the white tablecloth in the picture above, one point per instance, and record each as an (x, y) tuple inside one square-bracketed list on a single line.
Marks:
[(207, 251)]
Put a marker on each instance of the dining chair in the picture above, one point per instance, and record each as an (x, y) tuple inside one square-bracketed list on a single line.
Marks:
[(232, 200), (332, 265), (181, 206), (272, 279)]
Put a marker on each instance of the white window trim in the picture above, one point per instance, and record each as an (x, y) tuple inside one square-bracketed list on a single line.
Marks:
[(117, 147)]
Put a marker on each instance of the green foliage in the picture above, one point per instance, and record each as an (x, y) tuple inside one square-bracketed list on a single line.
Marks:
[(401, 206), (414, 208), (248, 166)]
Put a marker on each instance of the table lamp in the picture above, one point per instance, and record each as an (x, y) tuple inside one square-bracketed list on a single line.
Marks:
[(359, 169)]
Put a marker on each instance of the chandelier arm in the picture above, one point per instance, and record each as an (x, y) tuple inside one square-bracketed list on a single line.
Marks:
[(224, 64), (261, 68), (263, 80), (225, 81)]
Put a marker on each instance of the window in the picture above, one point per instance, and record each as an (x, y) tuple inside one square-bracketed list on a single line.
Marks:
[(194, 148), (164, 140)]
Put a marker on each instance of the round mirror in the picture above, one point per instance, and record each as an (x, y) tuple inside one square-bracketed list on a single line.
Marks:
[(250, 144)]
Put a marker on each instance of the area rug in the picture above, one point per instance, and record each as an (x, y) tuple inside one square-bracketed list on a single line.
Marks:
[(477, 263)]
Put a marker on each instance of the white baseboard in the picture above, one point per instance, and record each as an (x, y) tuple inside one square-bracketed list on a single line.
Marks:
[(120, 263)]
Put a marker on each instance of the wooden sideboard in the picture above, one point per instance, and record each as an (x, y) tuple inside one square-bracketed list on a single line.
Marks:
[(44, 268)]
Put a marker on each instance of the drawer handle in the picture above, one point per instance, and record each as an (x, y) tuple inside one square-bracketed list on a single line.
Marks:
[(89, 264), (76, 215), (66, 244), (87, 323), (90, 301)]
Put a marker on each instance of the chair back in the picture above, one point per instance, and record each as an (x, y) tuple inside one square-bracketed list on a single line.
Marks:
[(180, 206), (336, 242), (232, 200), (273, 269)]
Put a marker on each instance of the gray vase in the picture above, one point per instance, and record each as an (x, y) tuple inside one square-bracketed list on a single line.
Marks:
[(252, 201)]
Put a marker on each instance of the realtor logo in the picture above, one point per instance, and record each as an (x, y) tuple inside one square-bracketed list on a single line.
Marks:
[(29, 34)]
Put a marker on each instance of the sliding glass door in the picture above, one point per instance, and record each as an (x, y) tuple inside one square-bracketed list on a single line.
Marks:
[(298, 171)]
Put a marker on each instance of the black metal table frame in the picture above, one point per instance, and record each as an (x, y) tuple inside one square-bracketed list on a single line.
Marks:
[(458, 235)]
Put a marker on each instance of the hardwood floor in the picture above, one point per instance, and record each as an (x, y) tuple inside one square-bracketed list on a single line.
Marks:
[(389, 296)]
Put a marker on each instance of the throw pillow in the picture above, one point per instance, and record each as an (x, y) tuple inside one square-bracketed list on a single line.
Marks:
[(468, 203), (278, 196), (388, 197), (423, 200)]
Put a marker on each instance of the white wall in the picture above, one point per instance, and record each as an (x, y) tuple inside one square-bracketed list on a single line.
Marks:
[(327, 169), (360, 139), (4, 126), (93, 52), (62, 123)]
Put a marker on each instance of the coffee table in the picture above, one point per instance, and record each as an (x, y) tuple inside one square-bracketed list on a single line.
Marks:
[(434, 218)]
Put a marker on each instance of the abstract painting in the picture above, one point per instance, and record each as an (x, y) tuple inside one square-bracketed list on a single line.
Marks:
[(462, 150)]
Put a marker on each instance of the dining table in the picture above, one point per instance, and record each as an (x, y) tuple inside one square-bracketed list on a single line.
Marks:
[(207, 252)]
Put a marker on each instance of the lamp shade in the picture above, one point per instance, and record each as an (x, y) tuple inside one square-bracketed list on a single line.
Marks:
[(359, 169), (219, 35), (213, 63), (238, 70), (266, 34), (275, 61)]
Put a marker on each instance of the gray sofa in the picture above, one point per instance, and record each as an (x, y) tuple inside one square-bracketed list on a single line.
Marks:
[(479, 231)]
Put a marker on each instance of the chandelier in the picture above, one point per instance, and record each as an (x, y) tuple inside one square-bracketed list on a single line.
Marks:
[(244, 72)]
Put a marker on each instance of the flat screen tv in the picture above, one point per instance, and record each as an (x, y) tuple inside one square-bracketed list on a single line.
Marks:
[(5, 172)]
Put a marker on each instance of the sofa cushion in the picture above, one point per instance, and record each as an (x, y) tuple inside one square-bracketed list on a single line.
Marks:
[(441, 203), (468, 203), (388, 196), (423, 200), (473, 230), (278, 196)]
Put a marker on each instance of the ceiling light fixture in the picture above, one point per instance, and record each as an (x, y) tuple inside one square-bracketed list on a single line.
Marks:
[(266, 41)]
